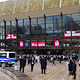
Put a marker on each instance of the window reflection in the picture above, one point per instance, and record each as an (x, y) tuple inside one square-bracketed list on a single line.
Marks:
[(26, 28), (14, 27), (41, 30), (41, 26), (34, 28), (66, 23), (76, 22), (8, 28), (57, 25), (49, 29), (20, 28), (2, 34)]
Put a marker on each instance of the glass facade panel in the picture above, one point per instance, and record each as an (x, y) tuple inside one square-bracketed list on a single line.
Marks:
[(34, 21), (20, 28), (57, 25), (49, 25), (49, 28), (34, 27), (8, 28), (51, 3), (1, 30), (40, 20), (76, 22), (66, 23), (70, 2), (40, 30), (49, 19), (34, 30), (40, 26), (21, 6), (26, 27), (35, 5), (13, 27), (8, 7)]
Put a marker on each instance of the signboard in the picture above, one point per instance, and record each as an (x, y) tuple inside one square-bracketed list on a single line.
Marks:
[(11, 36), (21, 43), (56, 43), (41, 44), (34, 44), (74, 34)]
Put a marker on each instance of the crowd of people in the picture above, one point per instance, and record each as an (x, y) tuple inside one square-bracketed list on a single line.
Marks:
[(43, 59)]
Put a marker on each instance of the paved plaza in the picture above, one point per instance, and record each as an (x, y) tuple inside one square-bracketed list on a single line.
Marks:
[(4, 77), (55, 72)]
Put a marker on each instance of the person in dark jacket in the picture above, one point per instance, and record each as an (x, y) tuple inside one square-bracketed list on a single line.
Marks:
[(32, 63), (74, 69), (22, 63), (43, 65), (29, 59), (70, 67)]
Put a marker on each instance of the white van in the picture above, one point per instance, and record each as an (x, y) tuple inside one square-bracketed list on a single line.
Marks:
[(7, 57)]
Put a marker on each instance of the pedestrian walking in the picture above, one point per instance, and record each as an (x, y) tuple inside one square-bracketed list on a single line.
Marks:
[(22, 63), (70, 67), (74, 69), (32, 63), (43, 65), (53, 61)]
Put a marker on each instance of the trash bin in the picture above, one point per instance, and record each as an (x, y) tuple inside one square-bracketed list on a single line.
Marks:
[(3, 65)]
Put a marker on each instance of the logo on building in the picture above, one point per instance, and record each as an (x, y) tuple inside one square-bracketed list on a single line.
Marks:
[(56, 43), (21, 43)]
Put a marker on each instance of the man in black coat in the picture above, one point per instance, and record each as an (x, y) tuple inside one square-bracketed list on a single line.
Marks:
[(70, 67), (32, 63), (74, 69), (22, 63), (43, 65)]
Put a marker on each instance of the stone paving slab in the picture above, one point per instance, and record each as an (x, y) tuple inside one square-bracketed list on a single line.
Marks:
[(4, 77)]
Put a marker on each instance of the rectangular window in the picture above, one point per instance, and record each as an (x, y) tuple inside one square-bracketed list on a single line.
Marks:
[(3, 55), (11, 55)]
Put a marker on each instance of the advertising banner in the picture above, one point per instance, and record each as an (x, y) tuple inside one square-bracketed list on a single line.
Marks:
[(74, 34), (34, 44), (11, 36), (41, 44)]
